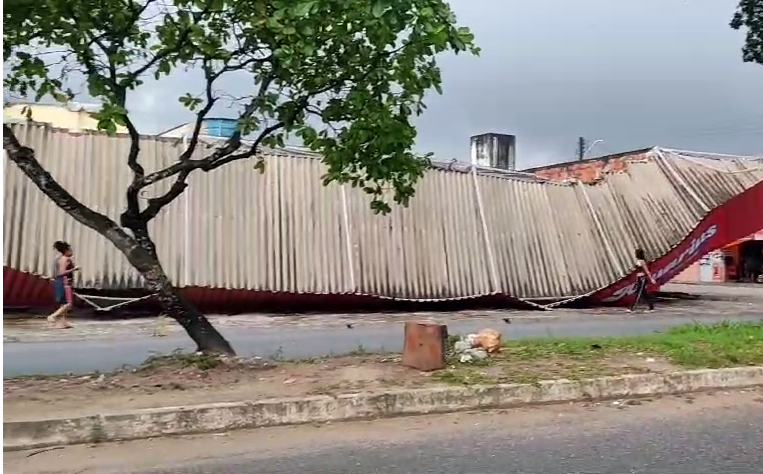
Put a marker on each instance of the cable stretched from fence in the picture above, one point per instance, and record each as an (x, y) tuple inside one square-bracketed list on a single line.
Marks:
[(122, 301)]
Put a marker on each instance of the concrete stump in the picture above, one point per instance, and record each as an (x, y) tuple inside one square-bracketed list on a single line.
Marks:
[(425, 346)]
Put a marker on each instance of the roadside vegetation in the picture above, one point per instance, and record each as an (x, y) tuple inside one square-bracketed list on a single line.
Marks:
[(693, 346), (182, 378)]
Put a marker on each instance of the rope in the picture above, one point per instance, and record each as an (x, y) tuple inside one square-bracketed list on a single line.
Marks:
[(123, 301)]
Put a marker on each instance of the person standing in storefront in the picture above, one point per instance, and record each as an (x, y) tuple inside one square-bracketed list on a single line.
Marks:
[(751, 267), (643, 279)]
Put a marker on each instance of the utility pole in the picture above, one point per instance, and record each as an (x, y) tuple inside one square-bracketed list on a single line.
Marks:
[(581, 148)]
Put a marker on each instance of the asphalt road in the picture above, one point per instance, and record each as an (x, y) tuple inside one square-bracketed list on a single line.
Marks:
[(720, 433), (102, 354)]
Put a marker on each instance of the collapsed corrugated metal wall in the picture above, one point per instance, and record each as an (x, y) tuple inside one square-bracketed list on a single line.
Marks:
[(468, 232)]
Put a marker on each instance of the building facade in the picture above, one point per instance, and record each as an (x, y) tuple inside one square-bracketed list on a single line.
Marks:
[(74, 116), (740, 261)]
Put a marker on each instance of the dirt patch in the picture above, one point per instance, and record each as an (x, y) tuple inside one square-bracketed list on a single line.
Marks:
[(187, 380), (177, 383)]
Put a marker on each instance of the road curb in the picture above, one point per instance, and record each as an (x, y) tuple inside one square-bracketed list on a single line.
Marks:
[(217, 417)]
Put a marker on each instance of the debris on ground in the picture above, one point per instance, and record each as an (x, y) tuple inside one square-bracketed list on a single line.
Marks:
[(476, 347), (162, 326), (489, 340)]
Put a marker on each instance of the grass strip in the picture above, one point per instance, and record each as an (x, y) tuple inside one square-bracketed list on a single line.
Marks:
[(725, 344), (693, 346)]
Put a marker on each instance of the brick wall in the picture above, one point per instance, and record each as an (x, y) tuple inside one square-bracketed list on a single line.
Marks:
[(589, 171)]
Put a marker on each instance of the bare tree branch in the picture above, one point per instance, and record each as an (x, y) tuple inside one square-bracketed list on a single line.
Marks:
[(253, 150), (179, 44), (231, 145), (155, 205), (225, 154), (133, 190), (133, 218), (210, 77), (120, 93)]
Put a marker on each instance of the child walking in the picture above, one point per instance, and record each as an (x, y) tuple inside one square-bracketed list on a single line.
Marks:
[(63, 279)]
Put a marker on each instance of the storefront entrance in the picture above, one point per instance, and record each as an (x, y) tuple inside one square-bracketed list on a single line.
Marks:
[(751, 261), (741, 261)]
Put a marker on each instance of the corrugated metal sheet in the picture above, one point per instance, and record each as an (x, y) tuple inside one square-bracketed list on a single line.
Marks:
[(468, 232)]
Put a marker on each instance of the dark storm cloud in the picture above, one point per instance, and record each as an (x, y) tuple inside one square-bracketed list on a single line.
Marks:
[(631, 73)]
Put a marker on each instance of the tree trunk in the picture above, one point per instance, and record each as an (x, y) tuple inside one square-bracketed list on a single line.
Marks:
[(206, 337)]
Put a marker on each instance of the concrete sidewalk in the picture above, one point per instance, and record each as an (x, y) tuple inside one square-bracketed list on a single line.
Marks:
[(722, 291), (735, 302)]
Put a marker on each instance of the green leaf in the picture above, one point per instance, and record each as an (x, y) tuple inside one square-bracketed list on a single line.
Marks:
[(463, 37), (42, 91), (749, 18), (328, 73), (247, 125), (274, 24), (379, 8), (60, 97), (120, 120), (308, 49), (304, 8)]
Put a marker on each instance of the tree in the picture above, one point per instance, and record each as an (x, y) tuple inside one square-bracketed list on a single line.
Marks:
[(749, 16), (345, 76)]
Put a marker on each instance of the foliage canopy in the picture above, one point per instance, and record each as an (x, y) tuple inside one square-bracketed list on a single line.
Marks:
[(345, 76), (749, 17)]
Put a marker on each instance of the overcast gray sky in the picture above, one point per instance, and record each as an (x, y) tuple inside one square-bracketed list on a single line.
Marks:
[(634, 73)]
